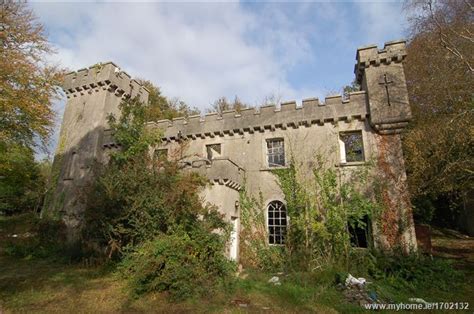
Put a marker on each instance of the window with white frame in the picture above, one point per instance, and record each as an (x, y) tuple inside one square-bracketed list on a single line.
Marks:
[(277, 222), (276, 152), (351, 146)]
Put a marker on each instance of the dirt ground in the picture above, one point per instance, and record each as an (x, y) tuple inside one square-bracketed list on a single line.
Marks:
[(454, 245)]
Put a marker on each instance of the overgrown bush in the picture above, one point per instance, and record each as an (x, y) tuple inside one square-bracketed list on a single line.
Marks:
[(181, 263), (43, 238), (415, 271), (140, 199), (145, 212), (254, 249), (321, 208)]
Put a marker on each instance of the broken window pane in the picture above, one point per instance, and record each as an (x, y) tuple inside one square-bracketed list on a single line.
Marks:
[(276, 152), (213, 151), (276, 226), (353, 146), (360, 233)]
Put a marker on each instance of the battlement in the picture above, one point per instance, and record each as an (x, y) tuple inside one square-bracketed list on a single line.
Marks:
[(105, 76), (288, 115), (393, 51)]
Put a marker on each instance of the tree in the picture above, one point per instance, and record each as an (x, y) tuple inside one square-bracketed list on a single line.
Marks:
[(23, 181), (222, 104), (27, 87), (144, 210), (439, 144), (451, 23), (354, 87), (159, 107), (27, 82)]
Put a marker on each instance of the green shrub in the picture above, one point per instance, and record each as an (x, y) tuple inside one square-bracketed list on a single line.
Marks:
[(137, 201), (44, 239), (183, 265), (146, 212), (137, 197), (416, 271), (255, 252), (23, 180), (322, 207)]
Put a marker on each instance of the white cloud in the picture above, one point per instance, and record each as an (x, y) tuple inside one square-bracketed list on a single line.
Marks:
[(202, 51), (381, 18), (197, 52)]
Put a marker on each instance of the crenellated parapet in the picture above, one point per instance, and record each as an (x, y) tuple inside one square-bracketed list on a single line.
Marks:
[(371, 56), (287, 115), (103, 76), (380, 73)]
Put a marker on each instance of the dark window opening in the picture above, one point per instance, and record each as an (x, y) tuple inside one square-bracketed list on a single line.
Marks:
[(353, 146), (277, 222), (213, 151), (71, 167), (160, 154), (108, 140), (360, 233), (276, 152)]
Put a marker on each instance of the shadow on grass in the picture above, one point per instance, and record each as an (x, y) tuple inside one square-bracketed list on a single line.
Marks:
[(25, 283)]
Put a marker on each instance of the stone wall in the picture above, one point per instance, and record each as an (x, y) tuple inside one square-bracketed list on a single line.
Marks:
[(92, 94), (379, 111), (267, 118)]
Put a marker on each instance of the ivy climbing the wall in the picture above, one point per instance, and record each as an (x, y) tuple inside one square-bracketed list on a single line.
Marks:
[(323, 208)]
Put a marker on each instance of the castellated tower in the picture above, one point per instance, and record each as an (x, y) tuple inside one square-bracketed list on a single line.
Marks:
[(92, 94), (380, 73), (241, 149)]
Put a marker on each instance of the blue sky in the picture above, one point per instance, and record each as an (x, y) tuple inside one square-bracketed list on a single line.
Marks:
[(202, 51)]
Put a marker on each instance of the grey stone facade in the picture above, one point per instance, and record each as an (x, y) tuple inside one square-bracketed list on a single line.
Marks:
[(243, 140)]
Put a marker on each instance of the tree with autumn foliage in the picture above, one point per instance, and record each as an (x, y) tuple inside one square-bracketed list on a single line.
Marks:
[(27, 83), (27, 87), (160, 107), (440, 142)]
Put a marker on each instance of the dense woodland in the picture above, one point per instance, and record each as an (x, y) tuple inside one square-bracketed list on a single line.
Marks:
[(165, 241)]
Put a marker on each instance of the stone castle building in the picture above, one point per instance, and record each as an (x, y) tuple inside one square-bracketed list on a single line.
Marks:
[(236, 148)]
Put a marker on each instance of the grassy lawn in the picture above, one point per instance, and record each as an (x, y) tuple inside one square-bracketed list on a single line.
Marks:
[(48, 285)]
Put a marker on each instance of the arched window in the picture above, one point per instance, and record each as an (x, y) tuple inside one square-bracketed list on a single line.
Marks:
[(276, 222)]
